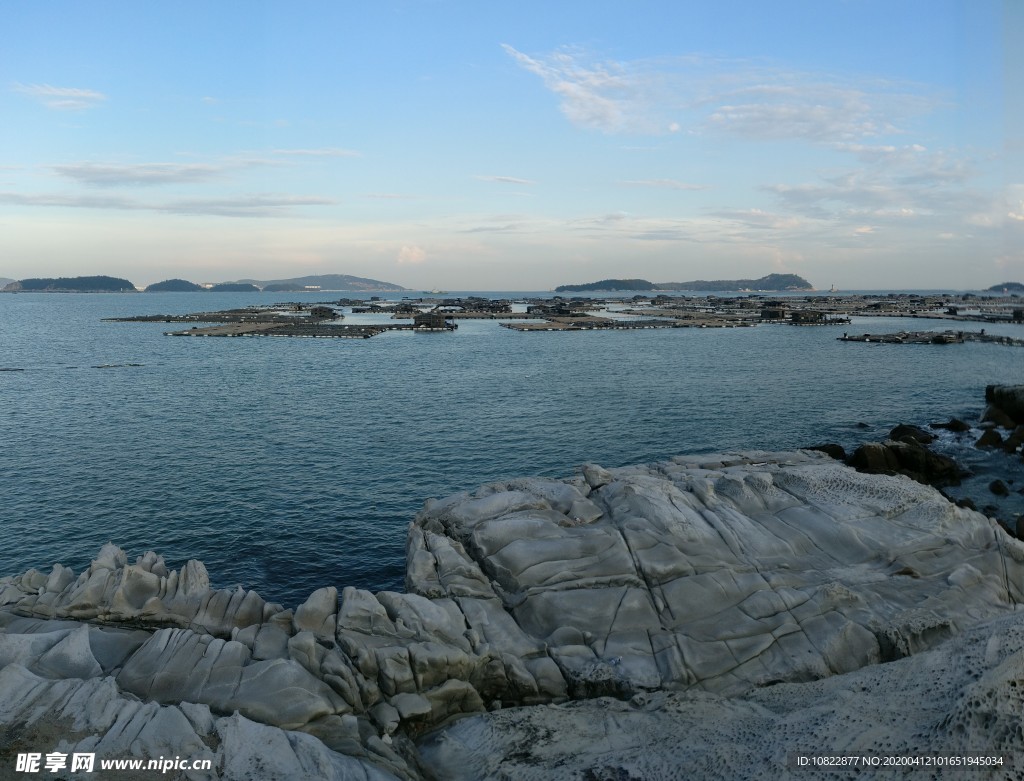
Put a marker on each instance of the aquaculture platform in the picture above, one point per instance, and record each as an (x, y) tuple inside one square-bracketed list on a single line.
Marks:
[(932, 337), (609, 324), (318, 321), (301, 329)]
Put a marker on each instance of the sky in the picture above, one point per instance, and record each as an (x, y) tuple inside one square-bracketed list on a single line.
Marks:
[(490, 145)]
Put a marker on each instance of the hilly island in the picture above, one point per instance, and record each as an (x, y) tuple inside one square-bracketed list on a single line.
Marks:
[(772, 282), (105, 284)]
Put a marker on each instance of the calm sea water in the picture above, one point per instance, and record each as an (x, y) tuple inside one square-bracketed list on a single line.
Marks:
[(290, 464)]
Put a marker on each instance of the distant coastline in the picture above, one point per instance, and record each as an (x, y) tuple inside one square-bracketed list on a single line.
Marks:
[(771, 282), (106, 284)]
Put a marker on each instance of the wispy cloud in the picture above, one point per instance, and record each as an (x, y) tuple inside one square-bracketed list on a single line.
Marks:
[(62, 98), (813, 107), (596, 95), (68, 201), (325, 152), (505, 179), (759, 219), (261, 205), (669, 184), (105, 175), (499, 227), (889, 154), (743, 98), (244, 206)]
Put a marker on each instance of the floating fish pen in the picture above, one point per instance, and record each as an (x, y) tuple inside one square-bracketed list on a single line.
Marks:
[(300, 329), (932, 337), (432, 322)]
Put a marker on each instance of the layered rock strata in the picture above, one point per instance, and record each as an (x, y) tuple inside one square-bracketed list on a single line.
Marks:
[(706, 576)]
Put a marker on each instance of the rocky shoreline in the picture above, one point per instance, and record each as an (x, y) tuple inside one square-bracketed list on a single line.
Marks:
[(759, 603), (979, 466)]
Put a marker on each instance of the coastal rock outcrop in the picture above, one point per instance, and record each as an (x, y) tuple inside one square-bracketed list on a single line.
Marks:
[(683, 584), (960, 699), (727, 571), (1008, 399), (907, 456)]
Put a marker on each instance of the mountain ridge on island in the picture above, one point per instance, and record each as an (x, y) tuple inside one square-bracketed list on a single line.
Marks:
[(313, 283), (108, 284), (91, 284), (322, 282), (771, 282)]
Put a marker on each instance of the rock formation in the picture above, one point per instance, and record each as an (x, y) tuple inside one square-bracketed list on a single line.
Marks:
[(908, 456), (733, 585), (962, 698)]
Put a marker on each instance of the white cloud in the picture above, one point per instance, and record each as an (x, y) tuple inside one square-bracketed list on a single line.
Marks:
[(411, 255), (600, 95), (737, 97), (62, 98)]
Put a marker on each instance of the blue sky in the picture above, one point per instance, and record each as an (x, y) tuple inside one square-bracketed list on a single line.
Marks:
[(498, 145)]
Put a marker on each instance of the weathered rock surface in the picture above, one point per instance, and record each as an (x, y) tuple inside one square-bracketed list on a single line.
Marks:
[(705, 577), (730, 571), (961, 698), (94, 716)]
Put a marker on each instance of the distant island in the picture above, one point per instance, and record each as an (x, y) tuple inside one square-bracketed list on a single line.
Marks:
[(174, 286), (234, 287), (314, 284), (97, 284), (322, 282), (5, 281), (772, 282), (1008, 287)]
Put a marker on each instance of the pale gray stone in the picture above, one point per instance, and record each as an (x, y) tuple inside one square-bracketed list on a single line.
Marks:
[(72, 657), (318, 613), (410, 706)]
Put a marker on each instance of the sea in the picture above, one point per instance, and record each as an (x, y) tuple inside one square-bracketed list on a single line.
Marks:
[(288, 464)]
